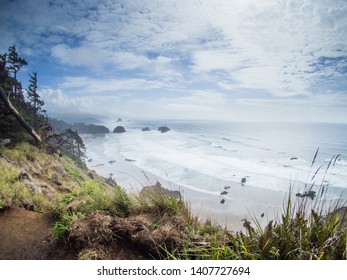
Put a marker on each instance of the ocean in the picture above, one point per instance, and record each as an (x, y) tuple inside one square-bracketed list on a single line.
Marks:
[(207, 157)]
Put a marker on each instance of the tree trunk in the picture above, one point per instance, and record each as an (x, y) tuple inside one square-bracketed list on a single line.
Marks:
[(18, 117)]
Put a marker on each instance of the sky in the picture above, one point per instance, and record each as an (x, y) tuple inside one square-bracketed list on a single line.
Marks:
[(232, 60)]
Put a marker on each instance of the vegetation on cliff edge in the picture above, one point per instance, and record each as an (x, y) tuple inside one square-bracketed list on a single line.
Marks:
[(97, 219)]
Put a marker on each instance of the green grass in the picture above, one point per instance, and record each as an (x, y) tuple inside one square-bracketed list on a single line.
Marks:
[(307, 229), (297, 236), (14, 192), (159, 204), (61, 227)]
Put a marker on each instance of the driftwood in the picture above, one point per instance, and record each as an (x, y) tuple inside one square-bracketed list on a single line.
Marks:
[(18, 117)]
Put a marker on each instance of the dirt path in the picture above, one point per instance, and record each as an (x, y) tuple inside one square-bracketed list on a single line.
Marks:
[(24, 234)]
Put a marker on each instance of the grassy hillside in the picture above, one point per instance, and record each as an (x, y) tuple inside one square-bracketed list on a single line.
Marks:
[(93, 218)]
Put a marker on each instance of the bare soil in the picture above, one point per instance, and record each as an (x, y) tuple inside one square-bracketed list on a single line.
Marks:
[(25, 234)]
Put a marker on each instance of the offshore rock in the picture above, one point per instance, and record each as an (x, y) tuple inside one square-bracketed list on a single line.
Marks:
[(90, 128), (119, 129), (163, 129)]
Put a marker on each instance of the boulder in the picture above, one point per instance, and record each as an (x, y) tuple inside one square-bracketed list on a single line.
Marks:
[(119, 120), (310, 194), (159, 190), (222, 201), (163, 129), (34, 188), (146, 129), (243, 180), (293, 158), (224, 193), (119, 129)]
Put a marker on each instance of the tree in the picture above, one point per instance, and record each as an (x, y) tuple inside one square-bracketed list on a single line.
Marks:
[(73, 145), (18, 116), (15, 64), (34, 98), (15, 61), (12, 120)]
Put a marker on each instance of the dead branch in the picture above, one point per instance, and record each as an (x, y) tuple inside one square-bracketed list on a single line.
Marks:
[(18, 117)]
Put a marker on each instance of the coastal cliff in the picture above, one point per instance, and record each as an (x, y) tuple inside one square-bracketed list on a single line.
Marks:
[(53, 207)]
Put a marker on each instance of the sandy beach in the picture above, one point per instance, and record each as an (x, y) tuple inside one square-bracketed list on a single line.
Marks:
[(226, 207)]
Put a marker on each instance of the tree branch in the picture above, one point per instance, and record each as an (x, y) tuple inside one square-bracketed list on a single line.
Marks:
[(18, 117)]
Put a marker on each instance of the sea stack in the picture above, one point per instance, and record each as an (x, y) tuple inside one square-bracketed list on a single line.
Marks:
[(119, 129), (163, 129)]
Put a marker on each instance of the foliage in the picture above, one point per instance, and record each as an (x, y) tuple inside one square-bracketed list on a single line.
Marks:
[(73, 145), (62, 226), (29, 108), (307, 230), (15, 61), (159, 204), (34, 99)]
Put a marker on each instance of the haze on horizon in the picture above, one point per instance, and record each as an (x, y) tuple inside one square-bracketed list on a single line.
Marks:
[(240, 60)]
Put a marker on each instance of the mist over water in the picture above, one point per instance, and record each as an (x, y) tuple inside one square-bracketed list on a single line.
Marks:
[(206, 156)]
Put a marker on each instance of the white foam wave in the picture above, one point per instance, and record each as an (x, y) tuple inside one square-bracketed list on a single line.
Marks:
[(205, 162)]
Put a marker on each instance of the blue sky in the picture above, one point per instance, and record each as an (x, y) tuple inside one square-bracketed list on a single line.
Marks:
[(235, 60)]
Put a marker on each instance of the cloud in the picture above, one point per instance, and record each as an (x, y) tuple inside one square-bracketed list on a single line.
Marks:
[(56, 100), (203, 52), (333, 100), (86, 85), (81, 56), (100, 60)]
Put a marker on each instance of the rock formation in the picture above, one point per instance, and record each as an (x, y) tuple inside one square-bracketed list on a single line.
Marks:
[(163, 129), (119, 129), (159, 190)]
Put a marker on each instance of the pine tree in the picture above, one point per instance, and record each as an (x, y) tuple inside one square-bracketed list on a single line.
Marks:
[(13, 112), (15, 64), (15, 61), (34, 98), (74, 145)]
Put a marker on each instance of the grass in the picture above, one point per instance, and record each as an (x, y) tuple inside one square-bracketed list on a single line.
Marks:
[(297, 236), (14, 192), (61, 228), (307, 229)]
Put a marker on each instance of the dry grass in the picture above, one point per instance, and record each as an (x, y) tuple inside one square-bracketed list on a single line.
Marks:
[(98, 219)]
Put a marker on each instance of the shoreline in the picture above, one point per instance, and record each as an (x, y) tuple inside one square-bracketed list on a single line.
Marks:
[(240, 201)]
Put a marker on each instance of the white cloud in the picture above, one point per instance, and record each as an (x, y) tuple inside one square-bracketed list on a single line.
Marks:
[(271, 47), (56, 100), (87, 85), (81, 56), (333, 100)]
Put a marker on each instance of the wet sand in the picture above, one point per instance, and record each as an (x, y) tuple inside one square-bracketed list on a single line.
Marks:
[(239, 201)]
